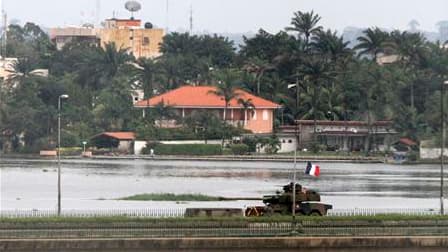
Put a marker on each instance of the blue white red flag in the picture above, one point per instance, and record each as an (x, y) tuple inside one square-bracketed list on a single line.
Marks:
[(312, 170)]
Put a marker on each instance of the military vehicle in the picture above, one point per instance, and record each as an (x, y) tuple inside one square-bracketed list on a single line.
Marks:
[(307, 203)]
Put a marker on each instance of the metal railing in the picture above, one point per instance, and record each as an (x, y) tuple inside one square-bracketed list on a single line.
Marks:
[(180, 212), (144, 213), (382, 211), (219, 229)]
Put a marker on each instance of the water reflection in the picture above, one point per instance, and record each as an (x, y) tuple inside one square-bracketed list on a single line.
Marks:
[(32, 183)]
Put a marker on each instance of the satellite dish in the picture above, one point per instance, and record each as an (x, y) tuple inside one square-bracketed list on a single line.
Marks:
[(132, 6), (148, 25)]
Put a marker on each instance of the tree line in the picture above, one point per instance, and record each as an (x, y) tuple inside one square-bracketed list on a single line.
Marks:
[(311, 71)]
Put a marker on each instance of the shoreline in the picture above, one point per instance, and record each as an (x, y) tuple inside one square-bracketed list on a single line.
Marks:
[(232, 158)]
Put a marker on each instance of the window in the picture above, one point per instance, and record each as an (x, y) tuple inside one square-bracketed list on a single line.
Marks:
[(254, 116), (145, 41), (265, 115)]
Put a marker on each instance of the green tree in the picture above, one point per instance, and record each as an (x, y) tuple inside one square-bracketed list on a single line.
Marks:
[(317, 71), (227, 88), (372, 42), (306, 25)]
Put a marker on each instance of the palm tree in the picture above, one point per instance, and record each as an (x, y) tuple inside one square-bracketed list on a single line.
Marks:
[(103, 64), (145, 71), (372, 42), (163, 112), (328, 42), (21, 70), (226, 88), (247, 104), (409, 47), (258, 67), (306, 24), (317, 71)]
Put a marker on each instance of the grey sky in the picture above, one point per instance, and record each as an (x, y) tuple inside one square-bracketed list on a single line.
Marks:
[(237, 15)]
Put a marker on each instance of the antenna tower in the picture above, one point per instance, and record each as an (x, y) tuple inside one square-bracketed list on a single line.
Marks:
[(4, 37), (167, 15), (191, 19)]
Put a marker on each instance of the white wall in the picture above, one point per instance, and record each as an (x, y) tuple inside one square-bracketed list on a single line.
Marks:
[(287, 144), (432, 153), (139, 145)]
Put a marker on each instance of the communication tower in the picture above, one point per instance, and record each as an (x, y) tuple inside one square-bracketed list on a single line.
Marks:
[(191, 19), (4, 28), (167, 15)]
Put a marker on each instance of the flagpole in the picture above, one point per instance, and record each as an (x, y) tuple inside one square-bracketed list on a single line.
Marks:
[(294, 187)]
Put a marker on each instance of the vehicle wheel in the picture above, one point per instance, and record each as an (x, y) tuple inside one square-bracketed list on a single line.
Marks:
[(315, 213), (269, 212)]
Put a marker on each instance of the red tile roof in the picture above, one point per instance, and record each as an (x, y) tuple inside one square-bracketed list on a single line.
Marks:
[(407, 141), (344, 123), (118, 135), (201, 97)]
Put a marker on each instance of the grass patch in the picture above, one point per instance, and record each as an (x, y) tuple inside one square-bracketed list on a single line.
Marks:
[(170, 197), (241, 220)]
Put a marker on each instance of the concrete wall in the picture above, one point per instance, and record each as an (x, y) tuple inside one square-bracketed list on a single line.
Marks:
[(125, 145), (139, 145), (432, 153), (397, 243), (288, 143), (144, 42)]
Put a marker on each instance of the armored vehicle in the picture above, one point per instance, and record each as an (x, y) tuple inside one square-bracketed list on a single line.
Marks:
[(307, 203)]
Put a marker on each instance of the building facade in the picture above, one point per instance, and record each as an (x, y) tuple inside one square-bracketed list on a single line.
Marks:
[(186, 100), (142, 42), (337, 135)]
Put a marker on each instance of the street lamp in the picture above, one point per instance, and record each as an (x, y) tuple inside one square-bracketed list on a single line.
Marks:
[(63, 96), (443, 144), (293, 207), (84, 146)]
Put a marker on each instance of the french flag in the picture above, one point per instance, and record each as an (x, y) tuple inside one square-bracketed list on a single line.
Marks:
[(312, 170)]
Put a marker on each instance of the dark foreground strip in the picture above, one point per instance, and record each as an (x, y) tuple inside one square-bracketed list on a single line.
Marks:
[(229, 244)]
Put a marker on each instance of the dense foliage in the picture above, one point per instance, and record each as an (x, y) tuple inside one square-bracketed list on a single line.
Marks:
[(332, 81), (188, 149)]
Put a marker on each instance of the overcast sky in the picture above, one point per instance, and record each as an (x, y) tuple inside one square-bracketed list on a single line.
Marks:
[(236, 15)]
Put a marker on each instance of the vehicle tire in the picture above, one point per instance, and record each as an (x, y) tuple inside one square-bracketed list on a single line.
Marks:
[(315, 213), (269, 212)]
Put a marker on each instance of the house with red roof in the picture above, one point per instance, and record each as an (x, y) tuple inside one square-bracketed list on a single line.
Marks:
[(259, 118), (121, 141)]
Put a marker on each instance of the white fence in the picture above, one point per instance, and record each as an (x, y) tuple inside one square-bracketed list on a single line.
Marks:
[(180, 212)]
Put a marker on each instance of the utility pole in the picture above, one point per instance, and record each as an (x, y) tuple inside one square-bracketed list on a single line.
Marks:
[(443, 136)]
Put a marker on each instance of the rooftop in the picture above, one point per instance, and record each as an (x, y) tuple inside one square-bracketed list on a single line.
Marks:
[(203, 97), (118, 135)]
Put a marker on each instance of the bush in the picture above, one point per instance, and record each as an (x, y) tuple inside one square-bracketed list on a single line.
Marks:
[(251, 143), (413, 155), (38, 145), (71, 151), (239, 149), (149, 145), (316, 147), (69, 139), (188, 149)]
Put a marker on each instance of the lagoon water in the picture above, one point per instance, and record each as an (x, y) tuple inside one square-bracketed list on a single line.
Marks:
[(96, 184)]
